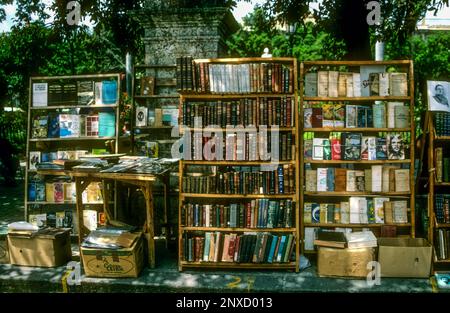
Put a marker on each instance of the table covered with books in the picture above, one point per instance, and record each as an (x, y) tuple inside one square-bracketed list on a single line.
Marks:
[(134, 171)]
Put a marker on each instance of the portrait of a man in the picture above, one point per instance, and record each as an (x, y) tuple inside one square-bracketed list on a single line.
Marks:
[(396, 150), (438, 93)]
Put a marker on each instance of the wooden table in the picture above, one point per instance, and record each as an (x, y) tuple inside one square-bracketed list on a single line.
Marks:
[(143, 181)]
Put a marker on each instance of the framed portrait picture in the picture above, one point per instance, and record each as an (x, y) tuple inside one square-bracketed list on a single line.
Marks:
[(438, 96)]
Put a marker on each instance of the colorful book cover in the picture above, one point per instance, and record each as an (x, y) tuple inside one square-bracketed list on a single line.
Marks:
[(35, 158), (106, 124), (109, 91), (69, 125), (53, 125), (352, 146), (339, 115), (328, 115), (40, 127)]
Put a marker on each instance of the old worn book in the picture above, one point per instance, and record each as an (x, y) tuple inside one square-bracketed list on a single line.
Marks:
[(328, 115), (351, 116), (342, 84), (383, 84), (358, 207), (391, 113), (376, 178), (402, 180), (333, 77), (379, 115), (345, 212), (374, 83), (388, 231), (307, 211), (357, 85), (339, 115), (147, 85), (340, 182), (401, 116), (359, 176), (323, 212), (388, 214), (392, 180), (317, 118), (368, 179), (398, 84), (400, 211), (311, 85), (351, 180), (349, 84), (326, 238), (307, 118), (322, 83), (311, 180), (439, 163)]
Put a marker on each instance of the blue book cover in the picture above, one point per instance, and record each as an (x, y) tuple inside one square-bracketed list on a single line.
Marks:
[(109, 92), (280, 179), (280, 248), (32, 191), (272, 249), (53, 126), (106, 124), (330, 179), (315, 213)]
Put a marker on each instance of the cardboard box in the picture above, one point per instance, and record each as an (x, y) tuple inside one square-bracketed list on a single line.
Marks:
[(344, 262), (404, 257), (125, 262), (47, 248)]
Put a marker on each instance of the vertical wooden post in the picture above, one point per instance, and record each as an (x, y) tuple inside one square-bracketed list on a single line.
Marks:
[(150, 233)]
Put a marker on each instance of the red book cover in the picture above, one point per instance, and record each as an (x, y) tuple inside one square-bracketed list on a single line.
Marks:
[(335, 149), (58, 192)]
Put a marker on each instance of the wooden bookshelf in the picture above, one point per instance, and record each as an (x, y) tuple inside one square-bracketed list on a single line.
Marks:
[(434, 141), (45, 145), (405, 66), (203, 198)]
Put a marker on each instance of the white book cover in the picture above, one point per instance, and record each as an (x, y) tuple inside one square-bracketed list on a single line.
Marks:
[(378, 203), (317, 149), (322, 179), (310, 235), (355, 215), (377, 174), (400, 211), (372, 148), (384, 84), (363, 217), (391, 113), (351, 180), (90, 219), (349, 85), (361, 239), (322, 83), (40, 94), (98, 86), (438, 96), (351, 116), (398, 84), (356, 85), (365, 71), (208, 215), (311, 85), (333, 79)]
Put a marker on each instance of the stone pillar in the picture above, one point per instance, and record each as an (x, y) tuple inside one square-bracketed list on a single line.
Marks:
[(171, 32)]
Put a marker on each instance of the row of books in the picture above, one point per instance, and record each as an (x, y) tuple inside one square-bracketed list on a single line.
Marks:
[(36, 157), (60, 191), (244, 180), (442, 123), (204, 77), (350, 84), (442, 166), (165, 116), (378, 178), (147, 148), (358, 210), (245, 248), (60, 219), (442, 208), (258, 213), (378, 115), (240, 146), (355, 146), (442, 244), (245, 112), (82, 92), (102, 124)]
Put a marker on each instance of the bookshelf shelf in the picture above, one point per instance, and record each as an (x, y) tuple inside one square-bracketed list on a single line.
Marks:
[(226, 196), (356, 129), (442, 138), (290, 265), (355, 193), (72, 139), (48, 97), (343, 121), (441, 184), (157, 97), (354, 225), (55, 107), (440, 225), (154, 127), (371, 98), (237, 229), (357, 161), (284, 69), (237, 163), (447, 261)]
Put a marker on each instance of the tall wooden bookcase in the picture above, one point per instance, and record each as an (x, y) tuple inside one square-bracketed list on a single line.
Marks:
[(260, 71), (436, 186), (335, 197), (67, 102)]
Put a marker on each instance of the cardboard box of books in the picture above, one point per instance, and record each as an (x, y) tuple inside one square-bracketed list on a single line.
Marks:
[(348, 262), (110, 253), (404, 257), (49, 247)]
